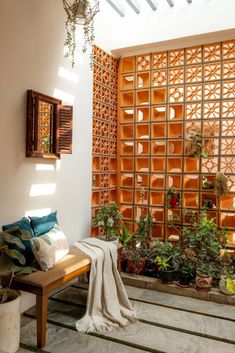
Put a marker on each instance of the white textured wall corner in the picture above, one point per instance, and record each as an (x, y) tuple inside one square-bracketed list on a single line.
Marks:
[(166, 23), (32, 37)]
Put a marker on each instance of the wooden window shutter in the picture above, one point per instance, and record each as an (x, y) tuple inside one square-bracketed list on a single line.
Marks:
[(64, 129)]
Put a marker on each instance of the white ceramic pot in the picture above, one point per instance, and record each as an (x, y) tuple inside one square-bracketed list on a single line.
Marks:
[(10, 324), (223, 286)]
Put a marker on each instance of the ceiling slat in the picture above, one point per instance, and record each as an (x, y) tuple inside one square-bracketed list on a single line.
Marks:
[(117, 6), (152, 4), (134, 4), (171, 3)]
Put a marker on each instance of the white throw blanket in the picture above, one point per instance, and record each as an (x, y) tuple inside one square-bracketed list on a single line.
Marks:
[(108, 306)]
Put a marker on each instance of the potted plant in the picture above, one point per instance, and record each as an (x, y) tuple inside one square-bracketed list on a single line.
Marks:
[(207, 184), (108, 220), (208, 203), (205, 238), (151, 267), (194, 144), (135, 261), (204, 276), (173, 197), (187, 265), (10, 246), (79, 12), (145, 226), (167, 260), (221, 184), (127, 240), (227, 283)]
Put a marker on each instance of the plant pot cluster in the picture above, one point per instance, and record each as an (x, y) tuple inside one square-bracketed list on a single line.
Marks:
[(195, 259)]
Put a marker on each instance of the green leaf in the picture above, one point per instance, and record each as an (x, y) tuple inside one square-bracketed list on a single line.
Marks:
[(15, 254), (11, 239), (18, 271)]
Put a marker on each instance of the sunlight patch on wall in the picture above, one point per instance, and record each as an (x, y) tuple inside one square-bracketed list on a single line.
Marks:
[(64, 96), (58, 164), (45, 167), (38, 213), (42, 189), (68, 75)]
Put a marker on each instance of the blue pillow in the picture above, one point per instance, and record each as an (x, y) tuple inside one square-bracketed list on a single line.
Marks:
[(41, 225), (23, 224)]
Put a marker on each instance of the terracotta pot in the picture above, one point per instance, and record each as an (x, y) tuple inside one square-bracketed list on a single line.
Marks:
[(136, 268), (203, 282)]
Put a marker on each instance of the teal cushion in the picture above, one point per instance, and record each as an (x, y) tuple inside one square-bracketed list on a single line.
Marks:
[(43, 224), (23, 224)]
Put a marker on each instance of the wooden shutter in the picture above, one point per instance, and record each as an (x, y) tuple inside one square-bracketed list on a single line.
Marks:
[(64, 129)]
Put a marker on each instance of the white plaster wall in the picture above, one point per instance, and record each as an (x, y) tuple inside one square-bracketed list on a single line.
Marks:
[(31, 43), (201, 16)]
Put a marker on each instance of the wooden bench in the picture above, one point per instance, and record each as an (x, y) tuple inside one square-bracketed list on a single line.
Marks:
[(43, 283)]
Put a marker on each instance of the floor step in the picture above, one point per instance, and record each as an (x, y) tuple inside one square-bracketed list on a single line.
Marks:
[(144, 336)]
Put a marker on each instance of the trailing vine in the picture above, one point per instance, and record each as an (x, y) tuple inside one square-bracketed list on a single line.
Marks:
[(79, 12)]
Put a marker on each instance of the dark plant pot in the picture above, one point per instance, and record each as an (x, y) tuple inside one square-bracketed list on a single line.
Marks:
[(166, 276), (136, 268), (184, 280), (123, 264), (151, 269)]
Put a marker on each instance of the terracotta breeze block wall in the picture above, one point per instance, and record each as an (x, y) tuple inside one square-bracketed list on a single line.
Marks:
[(104, 149), (163, 96)]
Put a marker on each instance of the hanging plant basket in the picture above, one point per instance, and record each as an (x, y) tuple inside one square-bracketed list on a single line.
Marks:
[(79, 12)]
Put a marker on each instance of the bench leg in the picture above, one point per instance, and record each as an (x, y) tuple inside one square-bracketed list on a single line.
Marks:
[(41, 307)]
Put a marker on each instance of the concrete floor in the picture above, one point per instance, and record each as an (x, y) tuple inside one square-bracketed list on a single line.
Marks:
[(167, 323)]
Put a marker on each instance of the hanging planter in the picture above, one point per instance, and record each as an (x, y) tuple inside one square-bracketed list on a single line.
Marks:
[(194, 145), (79, 12), (221, 184), (173, 197)]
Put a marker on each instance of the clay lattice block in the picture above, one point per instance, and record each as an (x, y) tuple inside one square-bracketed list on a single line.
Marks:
[(163, 97), (104, 146)]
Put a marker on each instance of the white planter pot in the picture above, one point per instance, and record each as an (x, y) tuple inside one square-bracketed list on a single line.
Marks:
[(10, 325)]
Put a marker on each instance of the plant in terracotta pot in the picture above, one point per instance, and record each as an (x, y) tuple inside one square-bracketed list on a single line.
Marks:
[(221, 184), (173, 197), (151, 267), (205, 238), (167, 260), (11, 243), (204, 276), (208, 203), (145, 226), (108, 220), (128, 240), (187, 266), (135, 260), (194, 144), (207, 184)]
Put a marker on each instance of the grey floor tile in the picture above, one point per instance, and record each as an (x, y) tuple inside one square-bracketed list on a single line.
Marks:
[(145, 335), (62, 340), (200, 306)]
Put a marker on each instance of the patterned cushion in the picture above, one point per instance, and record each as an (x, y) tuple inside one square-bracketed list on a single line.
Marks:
[(50, 247), (22, 224)]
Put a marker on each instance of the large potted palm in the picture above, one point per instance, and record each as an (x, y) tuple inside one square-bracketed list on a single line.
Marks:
[(12, 263)]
